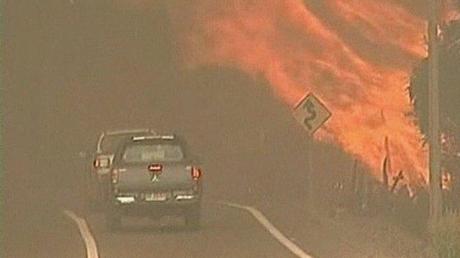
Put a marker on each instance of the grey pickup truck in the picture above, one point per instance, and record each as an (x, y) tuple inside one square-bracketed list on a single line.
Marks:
[(153, 176)]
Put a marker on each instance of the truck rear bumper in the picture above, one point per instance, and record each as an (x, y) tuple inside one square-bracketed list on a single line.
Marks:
[(155, 208)]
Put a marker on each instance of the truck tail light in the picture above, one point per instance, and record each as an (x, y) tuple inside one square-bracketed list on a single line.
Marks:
[(96, 163), (196, 173), (101, 162)]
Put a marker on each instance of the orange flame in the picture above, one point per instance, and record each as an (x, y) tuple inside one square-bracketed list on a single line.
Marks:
[(355, 55)]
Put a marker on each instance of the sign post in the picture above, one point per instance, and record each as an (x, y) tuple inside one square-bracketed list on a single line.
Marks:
[(311, 113)]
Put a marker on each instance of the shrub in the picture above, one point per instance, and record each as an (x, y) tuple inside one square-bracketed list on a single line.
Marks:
[(445, 236)]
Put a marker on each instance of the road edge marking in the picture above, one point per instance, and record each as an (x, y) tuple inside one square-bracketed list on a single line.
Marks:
[(90, 242), (270, 228)]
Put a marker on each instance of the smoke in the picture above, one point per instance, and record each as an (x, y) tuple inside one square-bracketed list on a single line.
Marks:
[(450, 10)]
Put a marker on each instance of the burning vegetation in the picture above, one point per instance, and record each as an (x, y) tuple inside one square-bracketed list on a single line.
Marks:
[(356, 56)]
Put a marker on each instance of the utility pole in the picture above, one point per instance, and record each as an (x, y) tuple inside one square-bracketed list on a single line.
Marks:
[(433, 107)]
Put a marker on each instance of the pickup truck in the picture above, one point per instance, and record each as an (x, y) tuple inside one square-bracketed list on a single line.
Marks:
[(154, 176)]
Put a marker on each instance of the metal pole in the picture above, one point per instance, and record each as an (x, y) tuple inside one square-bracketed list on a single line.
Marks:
[(434, 135), (310, 190)]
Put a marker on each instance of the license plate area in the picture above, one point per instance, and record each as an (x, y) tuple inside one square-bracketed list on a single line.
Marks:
[(156, 197)]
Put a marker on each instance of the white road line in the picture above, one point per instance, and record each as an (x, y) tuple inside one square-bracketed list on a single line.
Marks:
[(90, 243), (271, 229)]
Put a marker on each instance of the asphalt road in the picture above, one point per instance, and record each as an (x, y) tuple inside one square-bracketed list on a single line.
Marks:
[(73, 70), (225, 233)]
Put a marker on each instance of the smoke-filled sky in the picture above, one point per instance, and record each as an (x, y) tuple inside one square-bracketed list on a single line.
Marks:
[(355, 55)]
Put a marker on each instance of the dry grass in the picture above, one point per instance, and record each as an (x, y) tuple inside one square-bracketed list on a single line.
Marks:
[(445, 236)]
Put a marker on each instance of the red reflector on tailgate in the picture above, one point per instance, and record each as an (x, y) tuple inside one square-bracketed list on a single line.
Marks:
[(155, 167)]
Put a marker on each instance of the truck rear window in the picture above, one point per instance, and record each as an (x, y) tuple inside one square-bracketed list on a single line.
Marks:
[(142, 153)]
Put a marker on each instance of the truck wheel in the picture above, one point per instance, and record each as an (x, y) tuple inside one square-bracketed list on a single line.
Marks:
[(193, 217)]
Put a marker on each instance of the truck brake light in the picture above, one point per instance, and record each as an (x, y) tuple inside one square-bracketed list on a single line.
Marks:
[(196, 173)]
